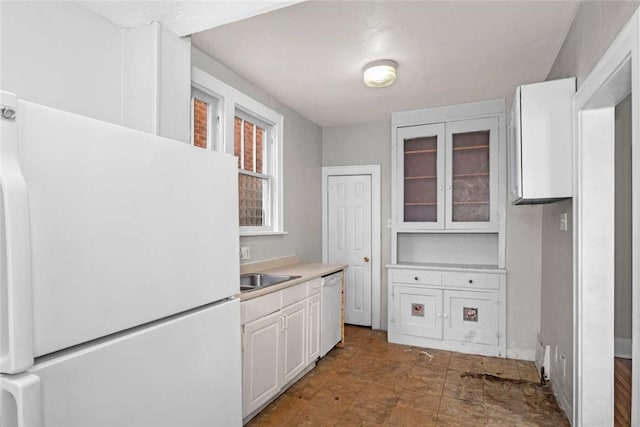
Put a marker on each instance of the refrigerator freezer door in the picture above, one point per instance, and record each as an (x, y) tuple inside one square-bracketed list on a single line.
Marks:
[(126, 227), (185, 371)]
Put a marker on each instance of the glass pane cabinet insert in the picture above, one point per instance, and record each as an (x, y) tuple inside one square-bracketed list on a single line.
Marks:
[(420, 158), (420, 177), (448, 175), (470, 176), (472, 173)]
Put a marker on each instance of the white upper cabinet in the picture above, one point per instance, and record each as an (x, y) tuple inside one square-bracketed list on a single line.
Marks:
[(447, 175), (540, 142), (472, 174), (421, 166)]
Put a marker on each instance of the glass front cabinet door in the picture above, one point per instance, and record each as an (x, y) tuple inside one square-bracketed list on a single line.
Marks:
[(448, 174), (421, 166)]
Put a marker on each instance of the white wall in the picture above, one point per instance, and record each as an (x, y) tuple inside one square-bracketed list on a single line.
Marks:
[(302, 174), (595, 26), (366, 144), (62, 55), (523, 280)]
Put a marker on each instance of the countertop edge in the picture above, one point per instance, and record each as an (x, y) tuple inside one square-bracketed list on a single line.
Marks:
[(307, 271)]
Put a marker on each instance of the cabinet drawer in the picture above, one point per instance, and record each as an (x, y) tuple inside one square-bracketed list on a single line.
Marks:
[(314, 286), (471, 280), (293, 294), (259, 307), (420, 277)]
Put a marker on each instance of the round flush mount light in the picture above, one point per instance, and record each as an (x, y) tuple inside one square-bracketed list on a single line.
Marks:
[(380, 73)]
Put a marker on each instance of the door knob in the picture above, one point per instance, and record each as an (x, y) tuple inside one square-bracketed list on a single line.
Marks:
[(366, 259)]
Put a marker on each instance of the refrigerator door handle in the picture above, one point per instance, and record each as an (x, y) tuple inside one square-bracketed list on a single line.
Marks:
[(16, 327), (25, 390)]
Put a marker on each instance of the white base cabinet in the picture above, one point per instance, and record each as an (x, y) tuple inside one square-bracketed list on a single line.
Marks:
[(262, 356), (280, 341), (457, 309), (314, 309)]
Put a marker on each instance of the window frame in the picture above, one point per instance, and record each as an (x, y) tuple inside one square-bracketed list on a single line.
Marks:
[(230, 101)]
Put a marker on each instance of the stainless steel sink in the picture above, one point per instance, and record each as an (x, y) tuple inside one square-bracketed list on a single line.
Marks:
[(255, 281)]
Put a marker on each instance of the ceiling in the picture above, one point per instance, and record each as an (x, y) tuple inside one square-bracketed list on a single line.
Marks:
[(181, 17), (310, 55)]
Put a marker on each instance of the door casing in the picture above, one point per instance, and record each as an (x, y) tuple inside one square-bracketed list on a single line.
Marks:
[(613, 78)]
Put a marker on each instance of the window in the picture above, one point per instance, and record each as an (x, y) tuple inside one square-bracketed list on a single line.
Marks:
[(226, 120), (205, 116), (250, 146)]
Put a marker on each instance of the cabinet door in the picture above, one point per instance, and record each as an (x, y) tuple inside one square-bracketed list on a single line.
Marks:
[(294, 354), (420, 165), (472, 174), (417, 311), (262, 342), (313, 307), (472, 317)]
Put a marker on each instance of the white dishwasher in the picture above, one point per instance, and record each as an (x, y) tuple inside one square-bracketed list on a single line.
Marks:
[(331, 295)]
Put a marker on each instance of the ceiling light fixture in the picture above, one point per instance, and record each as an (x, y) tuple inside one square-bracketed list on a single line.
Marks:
[(380, 73)]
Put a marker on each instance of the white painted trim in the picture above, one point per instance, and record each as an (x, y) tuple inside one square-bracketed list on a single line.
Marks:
[(593, 284), (448, 113), (230, 99), (623, 347), (376, 253), (561, 398)]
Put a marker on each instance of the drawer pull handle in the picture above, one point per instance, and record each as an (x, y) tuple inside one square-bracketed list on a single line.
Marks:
[(470, 281), (416, 278)]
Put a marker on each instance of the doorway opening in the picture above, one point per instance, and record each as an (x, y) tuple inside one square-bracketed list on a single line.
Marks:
[(606, 209), (623, 272)]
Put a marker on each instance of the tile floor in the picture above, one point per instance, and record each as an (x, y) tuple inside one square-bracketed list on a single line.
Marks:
[(371, 382)]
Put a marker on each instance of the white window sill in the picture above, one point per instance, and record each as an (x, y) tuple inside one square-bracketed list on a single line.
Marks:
[(262, 233)]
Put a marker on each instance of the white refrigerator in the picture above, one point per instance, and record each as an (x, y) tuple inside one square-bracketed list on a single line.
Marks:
[(119, 276)]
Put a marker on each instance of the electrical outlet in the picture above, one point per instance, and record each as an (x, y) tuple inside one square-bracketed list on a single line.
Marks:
[(555, 353), (245, 252), (563, 222), (564, 365)]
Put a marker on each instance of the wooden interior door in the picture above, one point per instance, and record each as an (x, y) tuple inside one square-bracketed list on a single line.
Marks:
[(349, 240)]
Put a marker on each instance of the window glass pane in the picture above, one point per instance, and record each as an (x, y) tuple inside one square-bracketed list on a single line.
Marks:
[(470, 164), (260, 157), (248, 146), (200, 123), (253, 198), (420, 179)]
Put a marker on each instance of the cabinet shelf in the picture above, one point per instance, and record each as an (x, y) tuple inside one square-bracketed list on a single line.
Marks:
[(421, 203), (470, 175), (409, 178), (472, 147), (430, 150), (472, 202)]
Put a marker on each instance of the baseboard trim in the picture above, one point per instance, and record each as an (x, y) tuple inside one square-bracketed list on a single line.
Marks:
[(521, 353), (623, 348), (562, 400)]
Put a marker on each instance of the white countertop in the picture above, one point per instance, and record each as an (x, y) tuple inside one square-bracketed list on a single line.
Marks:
[(290, 266)]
